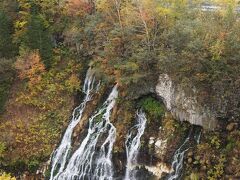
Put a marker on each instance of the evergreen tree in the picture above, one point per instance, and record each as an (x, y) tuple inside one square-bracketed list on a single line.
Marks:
[(6, 46), (37, 36)]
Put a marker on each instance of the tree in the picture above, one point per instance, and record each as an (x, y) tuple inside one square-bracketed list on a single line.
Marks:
[(37, 37), (32, 30), (7, 48), (30, 67)]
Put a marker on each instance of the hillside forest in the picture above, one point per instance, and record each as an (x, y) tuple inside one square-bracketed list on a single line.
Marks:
[(46, 47)]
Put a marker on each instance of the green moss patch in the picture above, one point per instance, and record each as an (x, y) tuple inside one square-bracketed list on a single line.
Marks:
[(152, 107)]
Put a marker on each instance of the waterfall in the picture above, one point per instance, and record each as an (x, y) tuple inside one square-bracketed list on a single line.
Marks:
[(178, 157), (194, 136), (133, 144), (87, 162), (60, 155), (197, 136)]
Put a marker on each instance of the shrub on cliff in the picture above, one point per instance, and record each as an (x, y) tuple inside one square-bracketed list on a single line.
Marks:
[(153, 107), (5, 176)]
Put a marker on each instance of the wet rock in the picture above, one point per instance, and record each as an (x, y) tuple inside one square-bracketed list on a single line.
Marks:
[(161, 143), (160, 147), (159, 169), (190, 154), (151, 140), (190, 160), (143, 174), (158, 143), (75, 134)]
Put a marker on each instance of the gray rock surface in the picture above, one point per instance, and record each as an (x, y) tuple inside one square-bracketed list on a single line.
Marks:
[(184, 107)]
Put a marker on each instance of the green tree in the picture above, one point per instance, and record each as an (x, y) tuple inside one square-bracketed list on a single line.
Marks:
[(32, 30), (6, 46), (37, 36)]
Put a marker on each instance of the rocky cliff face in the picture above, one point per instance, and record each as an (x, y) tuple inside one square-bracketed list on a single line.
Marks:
[(183, 106)]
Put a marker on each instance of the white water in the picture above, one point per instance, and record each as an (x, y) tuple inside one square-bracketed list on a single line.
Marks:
[(178, 157), (60, 155), (85, 163), (133, 143), (197, 137), (177, 163)]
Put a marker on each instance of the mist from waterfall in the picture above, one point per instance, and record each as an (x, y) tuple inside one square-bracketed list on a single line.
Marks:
[(60, 155), (133, 143), (87, 162)]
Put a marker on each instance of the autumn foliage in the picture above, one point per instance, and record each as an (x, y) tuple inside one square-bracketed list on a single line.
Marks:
[(78, 7), (48, 43), (30, 67)]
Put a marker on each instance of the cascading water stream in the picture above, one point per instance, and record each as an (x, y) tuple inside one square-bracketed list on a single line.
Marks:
[(86, 162), (60, 155), (197, 136), (133, 143), (177, 164)]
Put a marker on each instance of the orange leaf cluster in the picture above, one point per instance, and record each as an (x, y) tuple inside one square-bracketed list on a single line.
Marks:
[(78, 7), (30, 67)]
